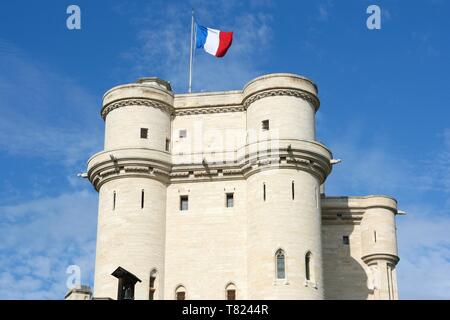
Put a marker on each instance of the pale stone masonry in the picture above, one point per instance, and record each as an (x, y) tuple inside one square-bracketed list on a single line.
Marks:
[(220, 195)]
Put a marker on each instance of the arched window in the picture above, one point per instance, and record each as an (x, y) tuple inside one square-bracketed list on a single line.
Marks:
[(152, 285), (308, 257), (180, 293), (281, 264), (230, 291)]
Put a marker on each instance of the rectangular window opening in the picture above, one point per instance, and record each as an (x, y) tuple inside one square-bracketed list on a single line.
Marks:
[(114, 201), (142, 199), (345, 240), (144, 133), (167, 144), (265, 125), (183, 133), (264, 192), (230, 200), (184, 203)]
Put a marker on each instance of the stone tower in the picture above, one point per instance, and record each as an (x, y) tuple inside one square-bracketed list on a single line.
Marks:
[(285, 157), (217, 195), (131, 176)]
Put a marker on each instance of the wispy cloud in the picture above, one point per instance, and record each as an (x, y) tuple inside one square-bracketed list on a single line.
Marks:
[(40, 239), (44, 114), (367, 165), (324, 10), (437, 168), (374, 167), (424, 248), (164, 39), (48, 120)]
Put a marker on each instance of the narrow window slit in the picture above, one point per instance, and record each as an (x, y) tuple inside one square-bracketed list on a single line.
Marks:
[(308, 266), (281, 265), (293, 190)]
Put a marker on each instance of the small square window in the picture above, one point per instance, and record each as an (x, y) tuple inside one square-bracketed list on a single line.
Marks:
[(184, 203), (345, 240), (144, 133), (183, 133), (230, 200), (265, 125)]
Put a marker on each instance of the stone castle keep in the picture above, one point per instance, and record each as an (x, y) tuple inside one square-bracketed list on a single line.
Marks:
[(220, 195)]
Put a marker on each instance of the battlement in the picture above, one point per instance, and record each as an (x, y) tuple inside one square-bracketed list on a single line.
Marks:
[(158, 90)]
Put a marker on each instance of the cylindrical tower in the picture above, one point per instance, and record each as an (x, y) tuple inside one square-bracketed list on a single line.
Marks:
[(379, 246), (284, 169), (131, 176)]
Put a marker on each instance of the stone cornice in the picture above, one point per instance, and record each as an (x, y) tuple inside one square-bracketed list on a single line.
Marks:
[(135, 102), (147, 102), (108, 173), (339, 217), (105, 168), (370, 258), (209, 110), (157, 165), (293, 92), (343, 204)]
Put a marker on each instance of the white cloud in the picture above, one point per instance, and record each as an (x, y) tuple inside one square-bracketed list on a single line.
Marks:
[(40, 239), (424, 249), (46, 118)]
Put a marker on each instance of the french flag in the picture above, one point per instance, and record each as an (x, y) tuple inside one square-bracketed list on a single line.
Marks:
[(214, 41)]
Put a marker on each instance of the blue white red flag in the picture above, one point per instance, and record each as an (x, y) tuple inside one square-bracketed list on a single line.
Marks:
[(214, 41)]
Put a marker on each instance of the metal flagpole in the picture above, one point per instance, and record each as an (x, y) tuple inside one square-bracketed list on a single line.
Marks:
[(191, 53)]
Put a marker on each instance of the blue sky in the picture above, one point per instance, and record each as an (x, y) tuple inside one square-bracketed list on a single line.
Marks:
[(384, 111)]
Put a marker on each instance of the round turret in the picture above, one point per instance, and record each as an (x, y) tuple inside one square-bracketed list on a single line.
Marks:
[(131, 175), (379, 246), (286, 103), (284, 172), (138, 115)]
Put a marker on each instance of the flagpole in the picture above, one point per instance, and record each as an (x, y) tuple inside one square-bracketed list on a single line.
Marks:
[(191, 53)]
